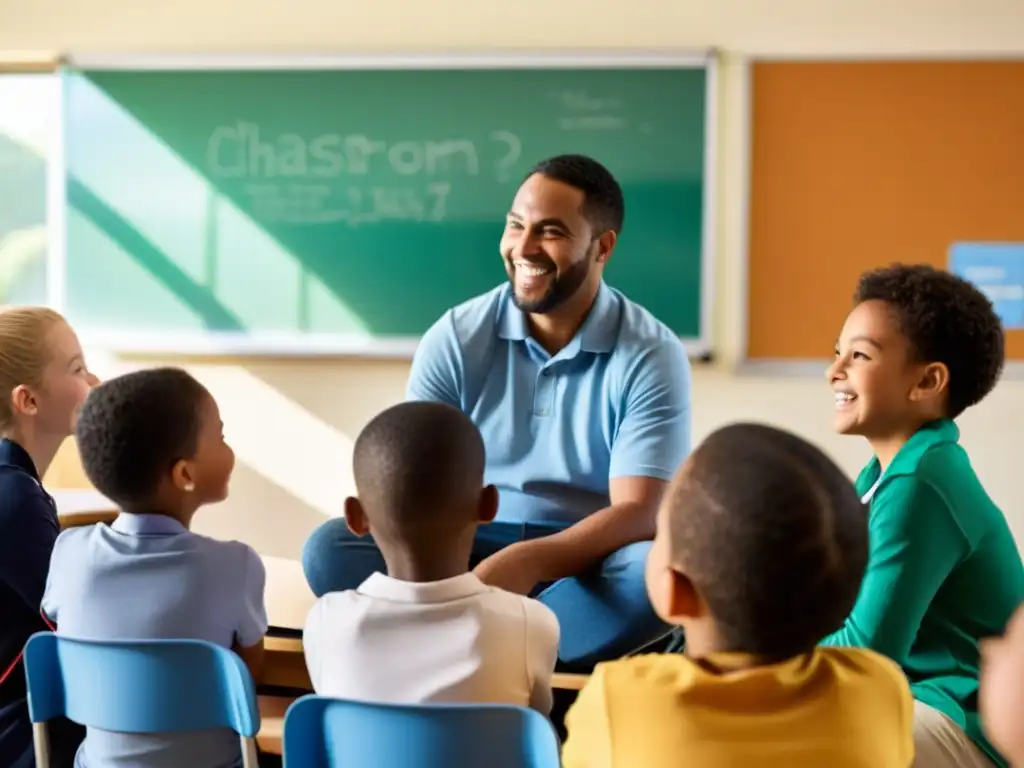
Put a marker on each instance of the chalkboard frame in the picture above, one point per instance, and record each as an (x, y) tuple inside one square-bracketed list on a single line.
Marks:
[(306, 345)]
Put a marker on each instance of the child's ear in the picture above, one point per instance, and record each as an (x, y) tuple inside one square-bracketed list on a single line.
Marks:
[(681, 598), (488, 506), (183, 476), (23, 401), (355, 517), (932, 383)]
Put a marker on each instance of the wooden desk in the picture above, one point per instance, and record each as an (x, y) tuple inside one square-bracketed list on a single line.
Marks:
[(271, 735), (82, 507), (285, 665)]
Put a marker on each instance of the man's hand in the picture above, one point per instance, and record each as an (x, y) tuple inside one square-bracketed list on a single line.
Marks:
[(517, 568)]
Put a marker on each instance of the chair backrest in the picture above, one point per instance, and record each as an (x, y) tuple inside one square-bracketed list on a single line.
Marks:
[(324, 733), (139, 686)]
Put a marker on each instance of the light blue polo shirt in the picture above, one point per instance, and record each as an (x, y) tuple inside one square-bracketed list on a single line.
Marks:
[(615, 402), (148, 577)]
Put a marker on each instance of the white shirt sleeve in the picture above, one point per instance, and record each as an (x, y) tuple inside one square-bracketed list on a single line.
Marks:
[(542, 635), (311, 635)]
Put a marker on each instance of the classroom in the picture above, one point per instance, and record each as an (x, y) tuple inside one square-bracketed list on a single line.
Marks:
[(792, 204)]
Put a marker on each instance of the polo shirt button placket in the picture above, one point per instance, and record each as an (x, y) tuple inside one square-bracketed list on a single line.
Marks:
[(542, 401)]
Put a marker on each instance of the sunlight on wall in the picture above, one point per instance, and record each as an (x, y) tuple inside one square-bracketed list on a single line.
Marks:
[(280, 439), (269, 432), (177, 210)]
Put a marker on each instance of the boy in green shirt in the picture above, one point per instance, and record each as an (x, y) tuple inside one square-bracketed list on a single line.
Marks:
[(920, 347)]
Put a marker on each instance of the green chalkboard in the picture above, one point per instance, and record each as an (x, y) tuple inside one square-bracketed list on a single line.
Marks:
[(345, 209)]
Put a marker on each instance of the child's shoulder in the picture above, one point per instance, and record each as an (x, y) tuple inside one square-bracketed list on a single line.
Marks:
[(227, 547), (75, 548), (669, 671), (943, 464), (538, 617), (77, 536), (941, 479), (933, 454), (938, 468), (863, 675), (225, 556), (342, 600), (677, 671), (863, 661), (18, 490)]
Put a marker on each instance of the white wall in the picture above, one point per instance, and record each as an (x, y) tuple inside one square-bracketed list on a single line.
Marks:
[(292, 423), (751, 26)]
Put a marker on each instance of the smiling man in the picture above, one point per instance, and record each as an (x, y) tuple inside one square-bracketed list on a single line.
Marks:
[(583, 401)]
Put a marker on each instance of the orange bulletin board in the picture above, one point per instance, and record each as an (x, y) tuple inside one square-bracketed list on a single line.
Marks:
[(856, 165)]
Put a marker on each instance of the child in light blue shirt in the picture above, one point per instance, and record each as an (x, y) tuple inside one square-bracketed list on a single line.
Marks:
[(153, 442)]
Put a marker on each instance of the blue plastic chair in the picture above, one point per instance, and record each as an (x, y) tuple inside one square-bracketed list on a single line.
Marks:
[(324, 733), (139, 686)]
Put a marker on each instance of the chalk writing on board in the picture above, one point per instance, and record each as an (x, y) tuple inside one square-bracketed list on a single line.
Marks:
[(579, 100), (513, 151), (300, 203), (244, 150), (290, 178), (580, 110)]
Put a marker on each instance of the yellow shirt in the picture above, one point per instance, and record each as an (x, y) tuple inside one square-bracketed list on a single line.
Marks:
[(833, 708)]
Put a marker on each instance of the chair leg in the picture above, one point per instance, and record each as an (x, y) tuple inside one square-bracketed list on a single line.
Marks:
[(249, 756), (42, 745)]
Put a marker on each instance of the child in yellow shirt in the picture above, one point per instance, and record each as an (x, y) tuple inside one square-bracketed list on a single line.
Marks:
[(760, 551)]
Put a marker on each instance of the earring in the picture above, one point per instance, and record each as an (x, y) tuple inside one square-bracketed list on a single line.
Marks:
[(189, 487)]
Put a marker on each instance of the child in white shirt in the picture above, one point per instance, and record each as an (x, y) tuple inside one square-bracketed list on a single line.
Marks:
[(429, 630)]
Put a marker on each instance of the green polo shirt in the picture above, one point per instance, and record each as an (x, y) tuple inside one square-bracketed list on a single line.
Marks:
[(943, 573)]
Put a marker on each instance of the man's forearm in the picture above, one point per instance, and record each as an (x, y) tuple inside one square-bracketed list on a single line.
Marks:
[(572, 551)]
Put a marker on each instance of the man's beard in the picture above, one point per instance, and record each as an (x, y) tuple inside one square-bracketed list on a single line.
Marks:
[(563, 286)]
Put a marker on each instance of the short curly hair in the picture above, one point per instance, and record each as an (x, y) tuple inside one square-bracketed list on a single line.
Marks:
[(406, 474), (132, 429), (603, 202), (947, 320), (773, 536)]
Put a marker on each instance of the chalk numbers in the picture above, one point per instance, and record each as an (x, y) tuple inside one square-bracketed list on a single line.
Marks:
[(323, 203)]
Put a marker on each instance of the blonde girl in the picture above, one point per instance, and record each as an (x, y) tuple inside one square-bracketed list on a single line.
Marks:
[(43, 382)]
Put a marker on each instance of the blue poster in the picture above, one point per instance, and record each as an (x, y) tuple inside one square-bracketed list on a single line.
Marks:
[(998, 270)]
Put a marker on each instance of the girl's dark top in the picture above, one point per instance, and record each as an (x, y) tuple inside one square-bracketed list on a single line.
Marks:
[(28, 530)]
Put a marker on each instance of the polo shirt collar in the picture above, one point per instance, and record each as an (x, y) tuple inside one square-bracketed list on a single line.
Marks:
[(147, 525), (384, 587), (931, 434), (909, 456), (597, 334), (14, 455), (728, 662)]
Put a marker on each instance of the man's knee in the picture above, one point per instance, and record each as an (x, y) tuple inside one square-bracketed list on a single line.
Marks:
[(323, 553), (605, 613), (620, 578), (630, 560)]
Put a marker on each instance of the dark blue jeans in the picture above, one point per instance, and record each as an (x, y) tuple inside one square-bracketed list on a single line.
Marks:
[(604, 613)]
